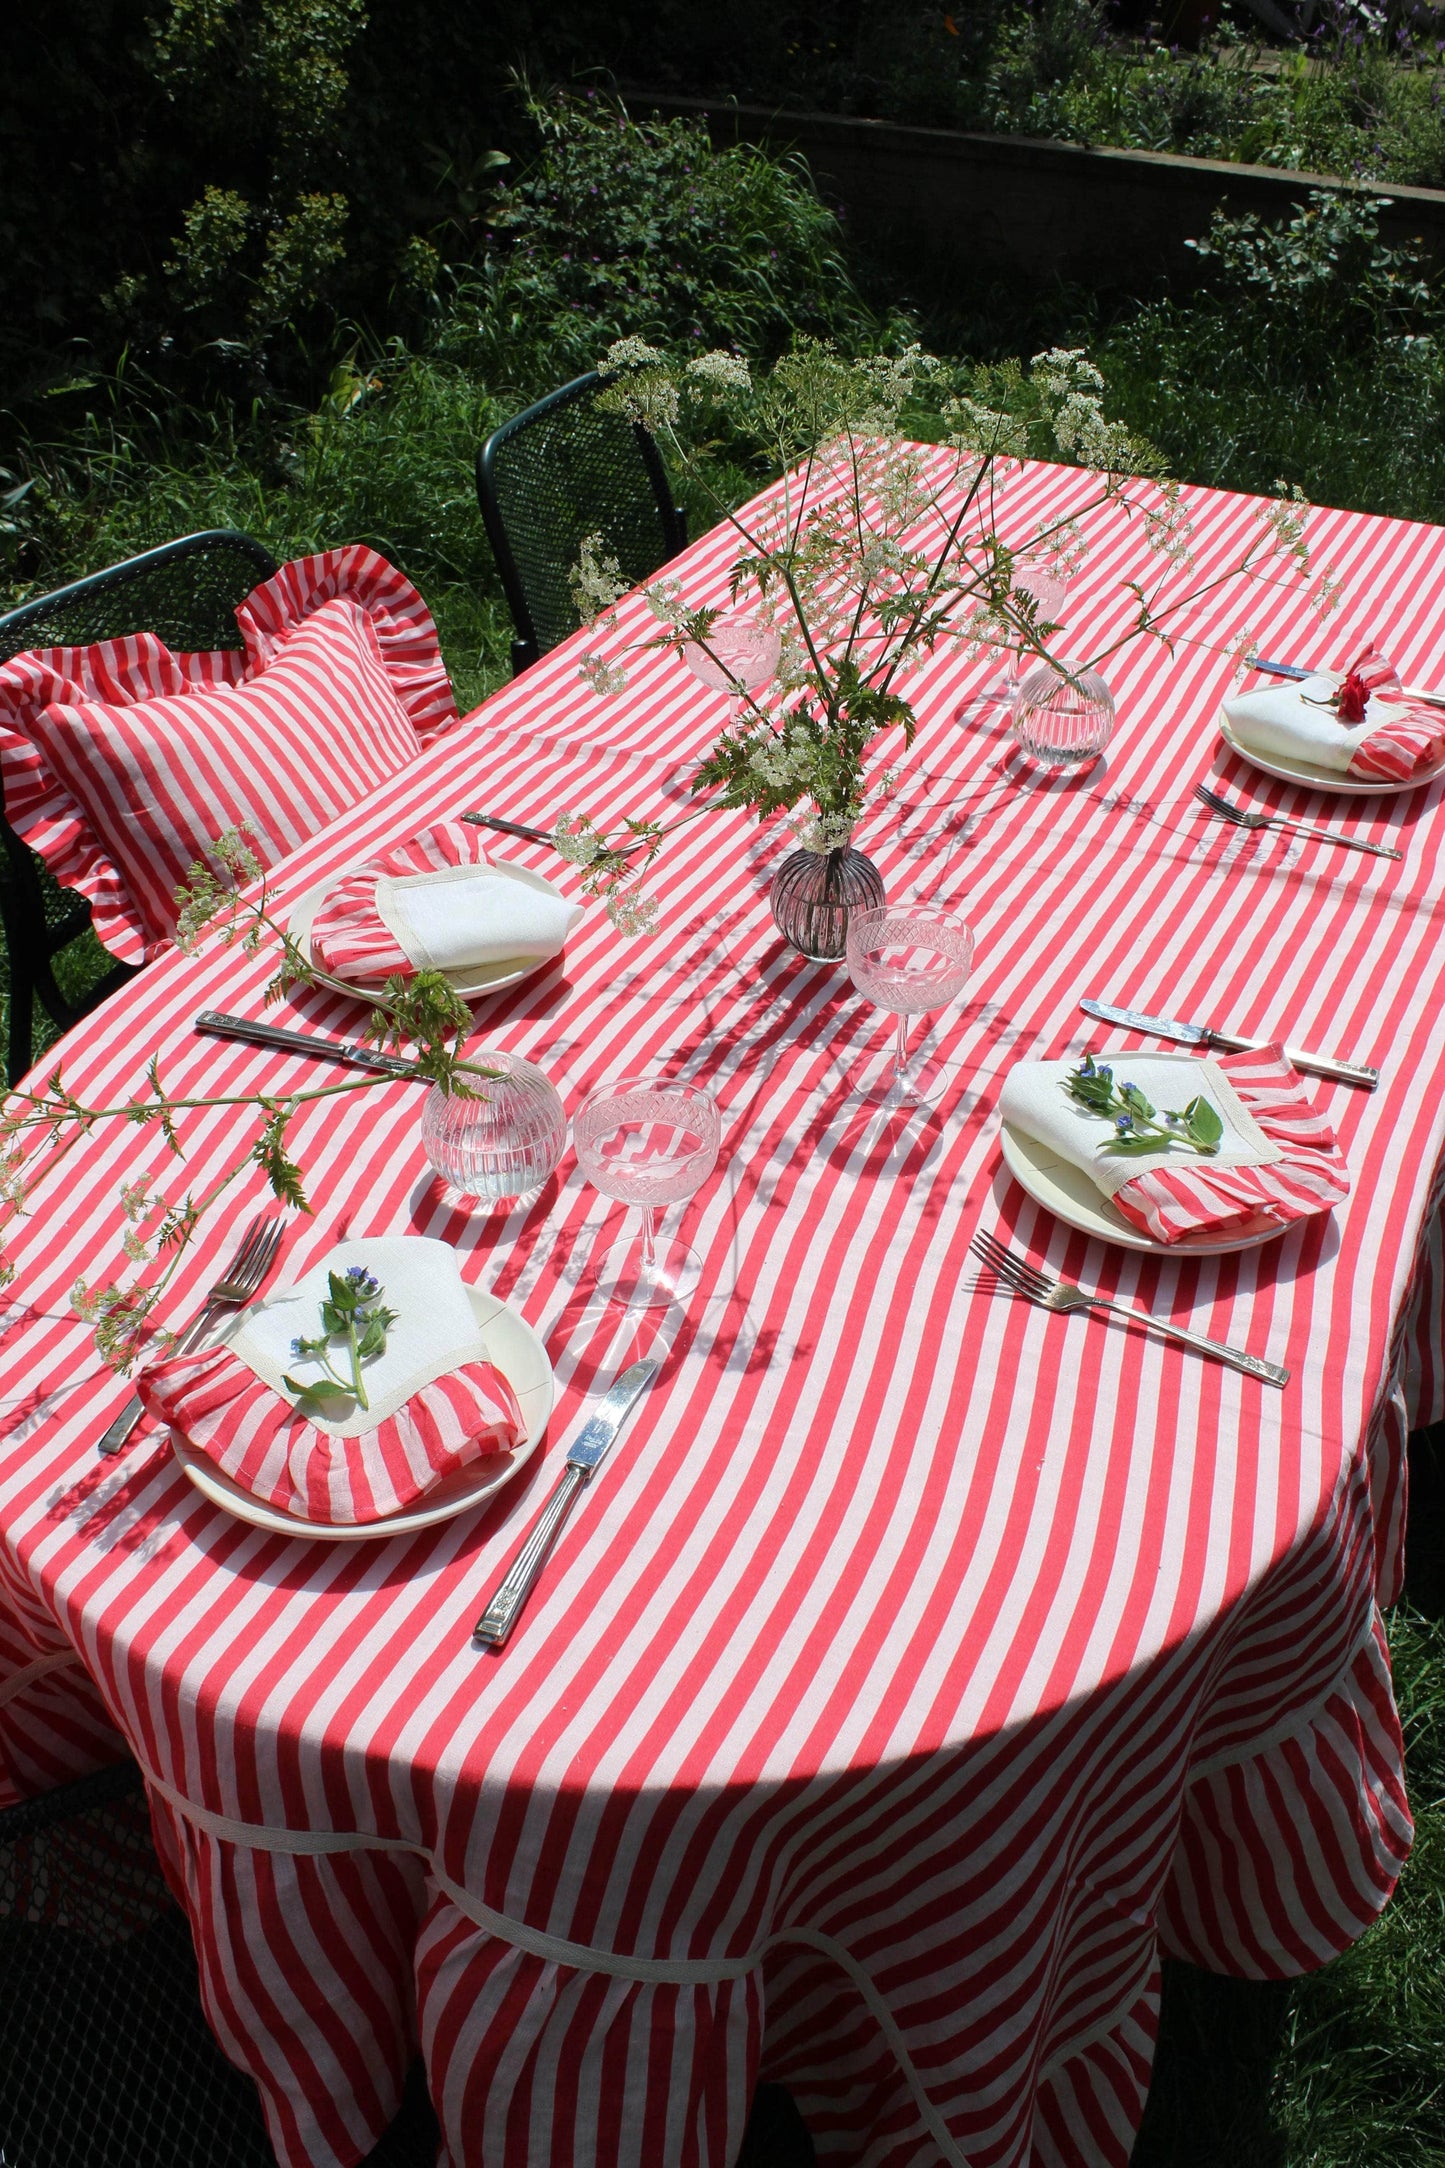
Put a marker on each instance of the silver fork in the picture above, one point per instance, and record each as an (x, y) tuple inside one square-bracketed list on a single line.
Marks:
[(1022, 1278), (1243, 818), (255, 1255)]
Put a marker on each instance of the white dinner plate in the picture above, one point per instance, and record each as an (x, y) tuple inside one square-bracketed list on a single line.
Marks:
[(509, 1342), (1309, 777), (471, 985), (1068, 1193)]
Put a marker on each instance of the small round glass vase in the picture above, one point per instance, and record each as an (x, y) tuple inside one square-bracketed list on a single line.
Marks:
[(506, 1141), (1063, 714), (814, 894)]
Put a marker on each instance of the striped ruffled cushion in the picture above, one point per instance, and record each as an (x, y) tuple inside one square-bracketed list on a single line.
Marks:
[(121, 761), (1172, 1203), (221, 1407), (1401, 747)]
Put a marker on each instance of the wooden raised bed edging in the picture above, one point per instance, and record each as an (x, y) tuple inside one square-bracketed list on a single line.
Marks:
[(1015, 204)]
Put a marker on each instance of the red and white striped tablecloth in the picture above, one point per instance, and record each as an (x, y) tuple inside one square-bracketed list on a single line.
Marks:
[(922, 1664)]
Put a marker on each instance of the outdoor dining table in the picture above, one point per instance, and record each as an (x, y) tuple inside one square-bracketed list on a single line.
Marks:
[(921, 1664)]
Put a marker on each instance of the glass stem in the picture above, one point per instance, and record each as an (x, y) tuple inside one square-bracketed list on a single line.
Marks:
[(900, 1050), (649, 1239)]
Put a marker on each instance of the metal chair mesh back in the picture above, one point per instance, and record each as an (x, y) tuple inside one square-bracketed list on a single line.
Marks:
[(106, 2060), (186, 592), (559, 472)]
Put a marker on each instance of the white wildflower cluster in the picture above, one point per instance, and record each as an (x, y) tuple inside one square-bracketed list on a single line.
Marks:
[(117, 1316), (606, 679), (823, 832), (887, 381), (137, 1205), (778, 765), (664, 599), (720, 372), (1285, 519), (1071, 393), (236, 855), (1327, 593), (14, 1188), (794, 663), (1241, 647), (1169, 526), (206, 896), (632, 911), (639, 386), (1059, 546), (979, 432), (578, 840), (1063, 372), (596, 579), (630, 353)]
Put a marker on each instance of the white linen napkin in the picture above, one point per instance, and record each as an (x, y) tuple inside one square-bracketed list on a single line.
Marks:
[(1034, 1101), (435, 1330), (464, 916), (1279, 722)]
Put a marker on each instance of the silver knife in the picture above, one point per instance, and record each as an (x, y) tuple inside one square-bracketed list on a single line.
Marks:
[(1296, 670), (1169, 1027), (587, 1449), (350, 1052)]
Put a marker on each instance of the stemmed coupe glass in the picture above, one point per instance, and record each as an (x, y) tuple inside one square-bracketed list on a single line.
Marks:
[(739, 655), (1046, 588), (649, 1141), (911, 958)]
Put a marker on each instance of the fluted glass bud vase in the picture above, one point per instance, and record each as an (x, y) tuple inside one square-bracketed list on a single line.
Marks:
[(505, 1142), (815, 893), (1063, 714)]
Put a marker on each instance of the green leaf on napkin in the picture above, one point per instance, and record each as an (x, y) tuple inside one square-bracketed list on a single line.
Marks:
[(1138, 1130), (353, 1313)]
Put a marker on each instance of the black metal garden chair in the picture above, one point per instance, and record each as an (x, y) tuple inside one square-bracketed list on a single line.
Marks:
[(185, 592), (554, 474), (106, 2060)]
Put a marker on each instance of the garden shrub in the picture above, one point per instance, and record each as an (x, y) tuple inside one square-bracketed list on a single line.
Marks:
[(1313, 351), (628, 226)]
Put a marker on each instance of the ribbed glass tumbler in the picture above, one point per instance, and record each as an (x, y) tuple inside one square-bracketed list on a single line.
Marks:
[(503, 1143), (1063, 714), (813, 895)]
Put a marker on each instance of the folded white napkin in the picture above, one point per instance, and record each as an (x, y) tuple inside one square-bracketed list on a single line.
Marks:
[(435, 1330), (1034, 1101), (437, 904), (470, 915), (1279, 722)]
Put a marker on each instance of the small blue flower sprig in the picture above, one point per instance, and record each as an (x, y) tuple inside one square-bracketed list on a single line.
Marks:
[(1137, 1128), (353, 1312)]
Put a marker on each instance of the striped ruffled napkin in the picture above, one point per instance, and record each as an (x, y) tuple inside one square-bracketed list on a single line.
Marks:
[(1277, 1160), (1356, 722), (438, 904), (436, 1404)]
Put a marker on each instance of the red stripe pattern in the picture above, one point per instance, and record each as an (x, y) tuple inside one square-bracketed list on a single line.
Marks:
[(122, 761), (920, 1664), (217, 1402), (1173, 1203)]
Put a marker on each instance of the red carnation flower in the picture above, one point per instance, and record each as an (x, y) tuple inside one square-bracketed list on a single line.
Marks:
[(1351, 699)]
